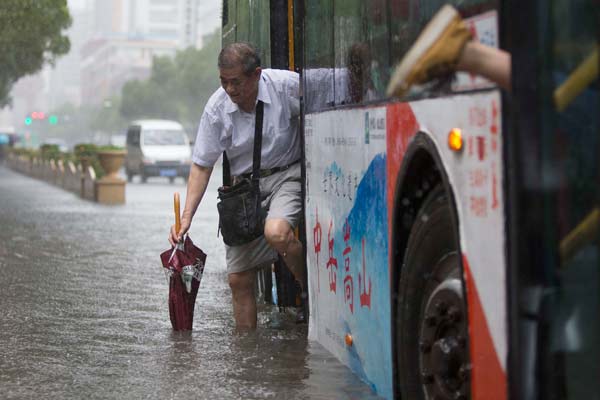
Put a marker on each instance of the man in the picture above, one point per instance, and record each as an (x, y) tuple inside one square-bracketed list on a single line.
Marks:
[(227, 124)]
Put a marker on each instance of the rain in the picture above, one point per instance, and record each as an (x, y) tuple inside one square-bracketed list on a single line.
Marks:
[(83, 293)]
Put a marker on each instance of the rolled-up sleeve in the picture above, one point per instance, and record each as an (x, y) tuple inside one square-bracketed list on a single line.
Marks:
[(293, 92), (208, 146)]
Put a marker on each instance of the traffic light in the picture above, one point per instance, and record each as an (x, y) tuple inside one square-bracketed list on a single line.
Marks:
[(38, 115)]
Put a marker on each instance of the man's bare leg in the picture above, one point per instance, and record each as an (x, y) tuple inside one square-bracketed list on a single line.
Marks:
[(244, 300), (280, 236)]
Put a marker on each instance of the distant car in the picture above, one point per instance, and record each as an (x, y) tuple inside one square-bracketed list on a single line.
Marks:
[(157, 148)]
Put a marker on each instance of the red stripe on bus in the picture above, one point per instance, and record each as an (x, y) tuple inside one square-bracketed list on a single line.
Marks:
[(401, 125), (488, 379)]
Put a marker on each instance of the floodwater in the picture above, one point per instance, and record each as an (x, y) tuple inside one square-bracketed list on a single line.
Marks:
[(84, 312)]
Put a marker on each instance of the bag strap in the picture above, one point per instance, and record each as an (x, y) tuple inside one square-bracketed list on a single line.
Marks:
[(226, 171), (258, 124)]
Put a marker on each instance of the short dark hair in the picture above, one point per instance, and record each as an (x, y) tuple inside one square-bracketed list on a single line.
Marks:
[(239, 53)]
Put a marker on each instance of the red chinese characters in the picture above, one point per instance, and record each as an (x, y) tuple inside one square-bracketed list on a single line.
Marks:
[(478, 206), (332, 264), (364, 282), (478, 178), (365, 296), (317, 245), (494, 187), (481, 147), (494, 125), (477, 116), (348, 281)]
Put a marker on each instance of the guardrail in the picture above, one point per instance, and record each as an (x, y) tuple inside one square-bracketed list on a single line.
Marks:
[(76, 179)]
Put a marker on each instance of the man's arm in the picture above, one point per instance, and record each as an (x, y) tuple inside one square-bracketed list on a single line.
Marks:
[(197, 183)]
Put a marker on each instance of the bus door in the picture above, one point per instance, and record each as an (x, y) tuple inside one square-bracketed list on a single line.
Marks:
[(554, 187)]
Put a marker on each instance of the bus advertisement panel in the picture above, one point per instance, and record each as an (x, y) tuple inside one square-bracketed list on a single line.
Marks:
[(353, 159), (347, 231), (373, 177)]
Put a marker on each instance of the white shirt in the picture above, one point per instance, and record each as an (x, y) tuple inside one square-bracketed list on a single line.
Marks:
[(225, 127)]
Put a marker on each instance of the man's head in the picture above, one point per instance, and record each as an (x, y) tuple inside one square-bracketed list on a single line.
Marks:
[(239, 70)]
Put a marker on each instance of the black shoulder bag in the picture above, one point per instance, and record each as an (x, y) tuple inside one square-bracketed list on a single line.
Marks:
[(241, 217)]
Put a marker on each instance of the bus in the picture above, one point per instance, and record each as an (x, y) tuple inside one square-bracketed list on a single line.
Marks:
[(452, 236)]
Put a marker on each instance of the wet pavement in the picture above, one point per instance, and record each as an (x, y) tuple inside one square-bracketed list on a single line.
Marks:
[(84, 311)]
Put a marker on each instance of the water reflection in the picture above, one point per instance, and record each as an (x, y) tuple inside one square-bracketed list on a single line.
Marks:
[(85, 312)]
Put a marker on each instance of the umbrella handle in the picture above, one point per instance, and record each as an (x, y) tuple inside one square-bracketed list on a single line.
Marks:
[(177, 214)]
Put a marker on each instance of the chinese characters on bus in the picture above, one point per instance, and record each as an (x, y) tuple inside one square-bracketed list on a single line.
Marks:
[(482, 149), (365, 296), (317, 235), (331, 265), (339, 183), (348, 282)]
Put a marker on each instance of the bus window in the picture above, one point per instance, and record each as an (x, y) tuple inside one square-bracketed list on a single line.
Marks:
[(570, 152), (228, 22), (349, 45), (250, 20), (378, 38), (408, 19), (361, 44), (318, 56)]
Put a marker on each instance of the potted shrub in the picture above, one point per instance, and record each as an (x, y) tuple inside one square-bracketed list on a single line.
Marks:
[(86, 155), (110, 189), (111, 159)]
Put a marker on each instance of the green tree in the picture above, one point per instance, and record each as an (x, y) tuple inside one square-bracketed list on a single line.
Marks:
[(154, 98), (178, 88), (30, 35), (72, 123), (107, 118)]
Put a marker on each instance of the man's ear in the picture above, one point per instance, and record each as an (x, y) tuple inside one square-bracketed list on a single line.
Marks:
[(257, 72)]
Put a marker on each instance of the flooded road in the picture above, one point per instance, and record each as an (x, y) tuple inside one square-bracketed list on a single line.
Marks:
[(84, 308)]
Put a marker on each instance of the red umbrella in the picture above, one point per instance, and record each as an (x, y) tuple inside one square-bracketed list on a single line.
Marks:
[(184, 265)]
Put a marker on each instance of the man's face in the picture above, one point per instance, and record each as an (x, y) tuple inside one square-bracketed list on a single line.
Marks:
[(241, 88)]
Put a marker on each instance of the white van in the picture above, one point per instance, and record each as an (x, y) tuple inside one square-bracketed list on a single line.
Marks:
[(157, 148)]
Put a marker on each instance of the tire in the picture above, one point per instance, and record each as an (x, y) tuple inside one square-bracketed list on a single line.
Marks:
[(129, 175), (431, 316), (143, 176), (171, 179)]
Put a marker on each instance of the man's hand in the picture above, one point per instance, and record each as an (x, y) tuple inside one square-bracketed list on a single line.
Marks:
[(197, 183), (175, 237)]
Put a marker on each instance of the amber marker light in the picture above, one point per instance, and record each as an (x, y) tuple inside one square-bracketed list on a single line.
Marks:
[(455, 141), (348, 339)]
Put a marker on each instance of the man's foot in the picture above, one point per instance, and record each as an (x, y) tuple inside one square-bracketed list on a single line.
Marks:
[(301, 304), (302, 310), (435, 52)]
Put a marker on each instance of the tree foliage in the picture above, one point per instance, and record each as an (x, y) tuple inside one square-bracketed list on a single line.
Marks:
[(107, 118), (30, 35), (178, 88)]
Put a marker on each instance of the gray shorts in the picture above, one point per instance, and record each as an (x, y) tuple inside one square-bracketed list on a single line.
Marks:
[(282, 198)]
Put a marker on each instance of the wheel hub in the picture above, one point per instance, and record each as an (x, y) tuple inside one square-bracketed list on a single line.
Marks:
[(444, 358)]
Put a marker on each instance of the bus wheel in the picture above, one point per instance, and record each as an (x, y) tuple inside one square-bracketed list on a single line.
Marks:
[(432, 329)]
